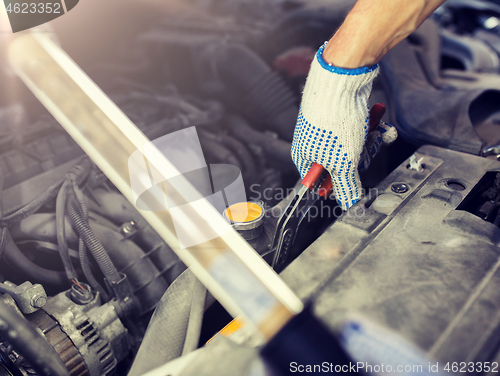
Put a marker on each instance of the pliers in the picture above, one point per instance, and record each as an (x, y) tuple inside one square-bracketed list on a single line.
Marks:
[(317, 183)]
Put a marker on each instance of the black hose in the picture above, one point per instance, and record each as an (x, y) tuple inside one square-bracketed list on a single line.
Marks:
[(27, 340), (82, 250), (195, 112), (239, 149), (162, 127), (129, 259), (260, 94), (62, 245), (217, 153), (213, 110), (32, 206), (95, 247), (244, 155), (276, 150), (78, 173), (17, 260)]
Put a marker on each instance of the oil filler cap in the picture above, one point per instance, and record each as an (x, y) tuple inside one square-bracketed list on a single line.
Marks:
[(246, 218)]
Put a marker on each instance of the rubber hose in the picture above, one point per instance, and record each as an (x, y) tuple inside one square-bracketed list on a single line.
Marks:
[(125, 254), (213, 110), (17, 260), (260, 94), (197, 111), (82, 249), (118, 209), (195, 322), (162, 127), (32, 206), (243, 154), (207, 113), (27, 340), (95, 247), (217, 153), (271, 179), (78, 173), (62, 245), (238, 150), (166, 333), (277, 150)]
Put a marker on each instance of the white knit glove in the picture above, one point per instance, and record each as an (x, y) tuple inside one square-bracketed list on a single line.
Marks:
[(332, 126)]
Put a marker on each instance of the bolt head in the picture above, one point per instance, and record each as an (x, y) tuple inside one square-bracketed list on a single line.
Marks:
[(38, 301), (400, 188), (128, 228)]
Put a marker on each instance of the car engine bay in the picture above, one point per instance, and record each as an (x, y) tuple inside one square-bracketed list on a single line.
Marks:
[(418, 254)]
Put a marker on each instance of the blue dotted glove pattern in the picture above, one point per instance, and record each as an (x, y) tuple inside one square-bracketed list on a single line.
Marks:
[(313, 144)]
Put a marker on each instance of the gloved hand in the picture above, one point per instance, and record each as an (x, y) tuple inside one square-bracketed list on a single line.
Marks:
[(332, 126)]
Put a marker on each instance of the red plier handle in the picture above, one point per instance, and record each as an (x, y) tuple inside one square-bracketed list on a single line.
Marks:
[(316, 170), (312, 177)]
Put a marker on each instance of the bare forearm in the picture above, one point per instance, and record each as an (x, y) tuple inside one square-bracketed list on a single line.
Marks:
[(373, 27)]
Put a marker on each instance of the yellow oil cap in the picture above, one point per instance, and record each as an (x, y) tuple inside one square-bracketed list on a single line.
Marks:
[(244, 212), (246, 218)]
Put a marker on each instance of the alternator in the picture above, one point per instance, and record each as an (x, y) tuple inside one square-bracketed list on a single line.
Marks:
[(90, 338)]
